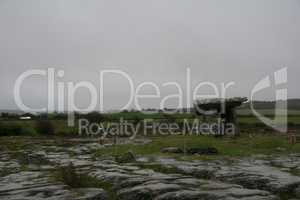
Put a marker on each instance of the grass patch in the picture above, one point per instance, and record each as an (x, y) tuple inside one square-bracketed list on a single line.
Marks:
[(231, 147), (11, 143), (159, 168), (69, 176), (295, 172)]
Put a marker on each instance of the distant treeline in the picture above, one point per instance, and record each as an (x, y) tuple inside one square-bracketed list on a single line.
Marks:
[(97, 116), (267, 108), (293, 104)]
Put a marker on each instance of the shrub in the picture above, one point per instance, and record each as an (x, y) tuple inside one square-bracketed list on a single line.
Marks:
[(15, 129), (44, 127), (94, 117), (125, 158), (25, 130), (7, 129)]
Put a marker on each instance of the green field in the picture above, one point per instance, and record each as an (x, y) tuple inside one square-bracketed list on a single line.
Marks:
[(28, 127), (245, 145), (242, 146)]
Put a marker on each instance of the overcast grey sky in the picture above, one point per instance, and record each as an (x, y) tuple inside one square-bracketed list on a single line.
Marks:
[(153, 40)]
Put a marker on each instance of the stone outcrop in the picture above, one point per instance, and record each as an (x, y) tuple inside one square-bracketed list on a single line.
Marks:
[(224, 109)]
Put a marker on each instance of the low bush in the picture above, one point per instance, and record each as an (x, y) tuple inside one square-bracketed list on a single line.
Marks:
[(44, 127), (15, 129)]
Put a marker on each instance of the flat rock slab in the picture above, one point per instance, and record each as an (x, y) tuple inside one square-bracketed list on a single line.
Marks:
[(188, 188), (215, 103), (249, 173), (37, 186), (259, 175), (147, 184)]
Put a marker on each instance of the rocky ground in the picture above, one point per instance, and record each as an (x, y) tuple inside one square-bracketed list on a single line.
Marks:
[(31, 174)]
